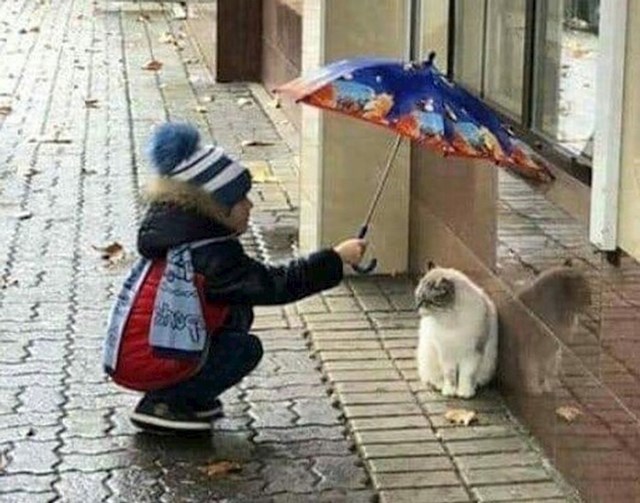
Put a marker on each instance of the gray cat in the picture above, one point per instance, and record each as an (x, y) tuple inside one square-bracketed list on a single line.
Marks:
[(556, 296)]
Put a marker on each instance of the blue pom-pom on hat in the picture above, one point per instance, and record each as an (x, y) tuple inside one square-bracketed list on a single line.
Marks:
[(175, 152)]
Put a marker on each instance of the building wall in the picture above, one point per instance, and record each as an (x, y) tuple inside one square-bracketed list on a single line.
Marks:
[(629, 219), (341, 158), (282, 47)]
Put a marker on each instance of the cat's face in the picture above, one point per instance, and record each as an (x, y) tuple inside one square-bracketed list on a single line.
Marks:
[(435, 290)]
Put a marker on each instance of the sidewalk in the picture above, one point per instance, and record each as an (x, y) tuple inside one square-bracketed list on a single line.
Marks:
[(333, 413)]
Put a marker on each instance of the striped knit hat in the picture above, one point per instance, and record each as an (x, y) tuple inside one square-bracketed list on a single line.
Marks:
[(176, 153)]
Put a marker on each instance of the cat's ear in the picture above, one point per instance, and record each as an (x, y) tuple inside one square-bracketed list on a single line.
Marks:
[(568, 262), (430, 265)]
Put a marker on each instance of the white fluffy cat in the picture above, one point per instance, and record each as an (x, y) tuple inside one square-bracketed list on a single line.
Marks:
[(458, 345)]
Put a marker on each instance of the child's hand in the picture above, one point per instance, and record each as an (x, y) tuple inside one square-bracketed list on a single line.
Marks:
[(351, 250)]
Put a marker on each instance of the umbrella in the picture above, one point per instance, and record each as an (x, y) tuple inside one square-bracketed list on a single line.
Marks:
[(416, 101)]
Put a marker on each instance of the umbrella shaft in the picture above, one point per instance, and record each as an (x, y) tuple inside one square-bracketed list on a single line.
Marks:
[(383, 180)]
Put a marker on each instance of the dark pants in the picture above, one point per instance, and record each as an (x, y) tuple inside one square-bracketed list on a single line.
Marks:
[(232, 356)]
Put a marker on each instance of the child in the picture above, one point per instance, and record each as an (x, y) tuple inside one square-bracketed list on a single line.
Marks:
[(201, 194)]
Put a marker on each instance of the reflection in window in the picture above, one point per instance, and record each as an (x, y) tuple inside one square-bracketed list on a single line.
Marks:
[(469, 43), (567, 44), (495, 42), (504, 59)]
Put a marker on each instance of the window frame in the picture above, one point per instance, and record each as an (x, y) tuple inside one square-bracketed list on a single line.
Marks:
[(578, 167)]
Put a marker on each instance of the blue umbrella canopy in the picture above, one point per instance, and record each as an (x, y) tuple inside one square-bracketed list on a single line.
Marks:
[(417, 101)]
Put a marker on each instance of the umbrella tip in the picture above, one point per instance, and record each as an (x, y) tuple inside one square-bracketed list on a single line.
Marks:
[(432, 57)]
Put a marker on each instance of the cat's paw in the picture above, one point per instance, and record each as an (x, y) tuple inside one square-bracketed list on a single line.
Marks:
[(466, 392), (448, 390)]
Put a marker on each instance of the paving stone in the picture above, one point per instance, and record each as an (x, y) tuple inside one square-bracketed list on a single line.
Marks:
[(330, 324), (411, 464), (374, 302), (370, 386), (363, 375), (299, 433), (290, 475), (518, 492), (286, 393), (401, 450), (272, 415), (487, 446), (351, 496), (481, 432), (339, 472), (415, 479), (361, 354), (77, 486), (496, 460), (24, 482), (505, 475), (351, 399), (29, 497), (387, 423), (303, 448), (346, 335), (358, 365), (382, 410), (393, 436), (435, 495), (352, 345), (318, 412), (28, 456)]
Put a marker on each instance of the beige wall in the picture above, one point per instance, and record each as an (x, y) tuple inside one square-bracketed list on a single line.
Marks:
[(341, 157), (629, 216)]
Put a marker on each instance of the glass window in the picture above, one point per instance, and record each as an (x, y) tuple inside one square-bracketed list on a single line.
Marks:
[(469, 43), (567, 43), (504, 58), (535, 61)]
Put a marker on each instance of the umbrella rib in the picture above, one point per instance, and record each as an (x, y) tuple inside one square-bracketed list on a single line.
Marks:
[(383, 180)]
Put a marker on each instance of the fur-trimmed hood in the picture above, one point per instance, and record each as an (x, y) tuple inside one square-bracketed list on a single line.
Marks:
[(186, 196)]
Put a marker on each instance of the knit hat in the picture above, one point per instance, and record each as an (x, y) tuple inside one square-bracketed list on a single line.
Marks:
[(176, 153)]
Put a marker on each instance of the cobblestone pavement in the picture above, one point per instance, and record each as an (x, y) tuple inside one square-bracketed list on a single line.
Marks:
[(333, 413)]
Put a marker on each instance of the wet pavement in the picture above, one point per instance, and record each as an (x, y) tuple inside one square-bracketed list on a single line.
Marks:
[(333, 413)]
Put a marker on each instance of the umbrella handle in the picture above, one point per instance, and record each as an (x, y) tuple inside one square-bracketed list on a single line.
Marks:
[(373, 263)]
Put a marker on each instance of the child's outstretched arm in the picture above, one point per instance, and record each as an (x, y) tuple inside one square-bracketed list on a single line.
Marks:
[(243, 280)]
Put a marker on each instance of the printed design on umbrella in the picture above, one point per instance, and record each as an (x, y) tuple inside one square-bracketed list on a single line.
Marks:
[(417, 101), (353, 98)]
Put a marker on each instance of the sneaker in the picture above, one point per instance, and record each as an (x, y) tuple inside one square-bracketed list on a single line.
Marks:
[(160, 417), (214, 411)]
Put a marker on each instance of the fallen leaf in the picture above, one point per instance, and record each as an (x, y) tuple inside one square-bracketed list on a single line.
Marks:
[(201, 110), (569, 413), (111, 252), (243, 102), (26, 171), (5, 109), (256, 143), (167, 38), (153, 65), (7, 282), (461, 416), (91, 103), (260, 172), (220, 468)]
